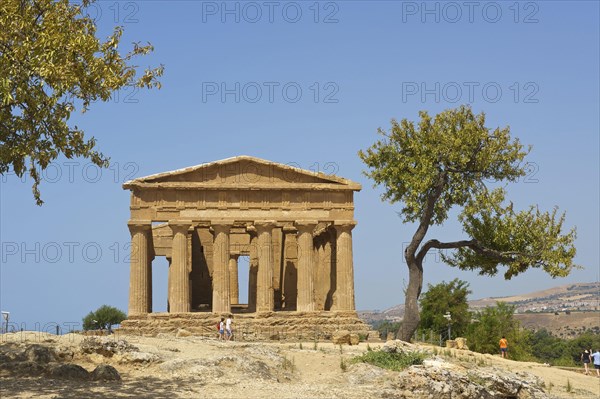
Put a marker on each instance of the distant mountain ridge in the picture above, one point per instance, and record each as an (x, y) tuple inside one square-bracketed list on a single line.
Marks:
[(568, 297)]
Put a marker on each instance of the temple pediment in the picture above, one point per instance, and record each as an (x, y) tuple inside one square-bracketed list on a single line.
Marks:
[(240, 172)]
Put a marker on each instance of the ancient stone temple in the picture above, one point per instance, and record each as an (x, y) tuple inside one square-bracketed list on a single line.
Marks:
[(295, 227)]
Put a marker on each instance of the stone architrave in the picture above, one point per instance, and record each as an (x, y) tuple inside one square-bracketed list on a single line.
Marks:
[(179, 291), (265, 295), (345, 267), (306, 289), (140, 279), (234, 290), (221, 257)]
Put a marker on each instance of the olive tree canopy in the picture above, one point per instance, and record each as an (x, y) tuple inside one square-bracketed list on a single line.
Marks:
[(52, 63), (445, 162)]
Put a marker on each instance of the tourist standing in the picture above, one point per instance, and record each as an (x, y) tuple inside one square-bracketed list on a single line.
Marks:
[(503, 346), (222, 328), (228, 329), (596, 357), (585, 358)]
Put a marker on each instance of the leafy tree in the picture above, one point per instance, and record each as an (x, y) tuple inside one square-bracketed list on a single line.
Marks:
[(445, 162), (103, 318), (51, 62), (492, 323), (545, 346), (446, 297)]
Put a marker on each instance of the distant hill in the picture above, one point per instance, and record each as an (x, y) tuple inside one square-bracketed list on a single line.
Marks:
[(568, 298)]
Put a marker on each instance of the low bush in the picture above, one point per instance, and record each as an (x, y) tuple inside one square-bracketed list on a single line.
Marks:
[(390, 361)]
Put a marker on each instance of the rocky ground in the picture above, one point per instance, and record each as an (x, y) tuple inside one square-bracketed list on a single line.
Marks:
[(39, 365)]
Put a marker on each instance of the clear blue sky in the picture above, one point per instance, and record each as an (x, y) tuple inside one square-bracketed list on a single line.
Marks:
[(533, 66)]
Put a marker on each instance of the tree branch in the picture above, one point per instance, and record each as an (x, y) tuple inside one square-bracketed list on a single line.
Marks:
[(432, 198), (500, 256), (442, 245)]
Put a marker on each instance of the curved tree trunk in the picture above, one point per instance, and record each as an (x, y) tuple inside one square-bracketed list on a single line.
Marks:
[(411, 319), (414, 261)]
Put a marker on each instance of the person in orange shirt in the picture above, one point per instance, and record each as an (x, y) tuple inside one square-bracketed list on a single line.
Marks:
[(503, 346)]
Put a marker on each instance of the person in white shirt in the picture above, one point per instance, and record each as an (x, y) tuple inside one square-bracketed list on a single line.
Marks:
[(228, 330), (596, 357)]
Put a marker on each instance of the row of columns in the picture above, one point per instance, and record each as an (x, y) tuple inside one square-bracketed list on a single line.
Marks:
[(225, 288)]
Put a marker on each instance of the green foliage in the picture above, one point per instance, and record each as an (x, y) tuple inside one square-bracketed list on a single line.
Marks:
[(448, 161), (390, 361), (518, 240), (493, 322), (343, 364), (561, 352), (52, 63), (103, 318), (446, 297), (454, 150)]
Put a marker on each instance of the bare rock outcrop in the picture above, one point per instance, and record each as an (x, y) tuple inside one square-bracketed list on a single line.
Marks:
[(40, 354), (105, 372), (68, 371), (446, 382), (399, 346), (105, 346)]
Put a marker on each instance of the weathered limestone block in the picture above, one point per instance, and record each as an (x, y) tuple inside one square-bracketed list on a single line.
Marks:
[(398, 346), (461, 343), (354, 339), (450, 343), (183, 333), (341, 337)]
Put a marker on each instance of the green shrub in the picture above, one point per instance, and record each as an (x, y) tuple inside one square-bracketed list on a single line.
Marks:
[(103, 318), (390, 361), (343, 365)]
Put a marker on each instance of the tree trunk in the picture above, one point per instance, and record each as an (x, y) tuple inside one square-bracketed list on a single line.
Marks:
[(411, 319)]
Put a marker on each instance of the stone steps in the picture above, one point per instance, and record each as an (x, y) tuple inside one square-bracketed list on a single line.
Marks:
[(291, 326)]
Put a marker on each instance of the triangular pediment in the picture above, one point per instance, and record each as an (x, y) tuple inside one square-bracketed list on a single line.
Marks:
[(242, 171)]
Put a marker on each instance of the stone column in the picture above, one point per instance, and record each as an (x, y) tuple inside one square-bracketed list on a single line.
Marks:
[(221, 296), (170, 272), (253, 269), (179, 291), (344, 267), (140, 276), (234, 290), (265, 296), (306, 289), (289, 281)]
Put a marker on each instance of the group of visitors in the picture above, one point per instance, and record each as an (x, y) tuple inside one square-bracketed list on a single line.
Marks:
[(224, 327), (587, 357)]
